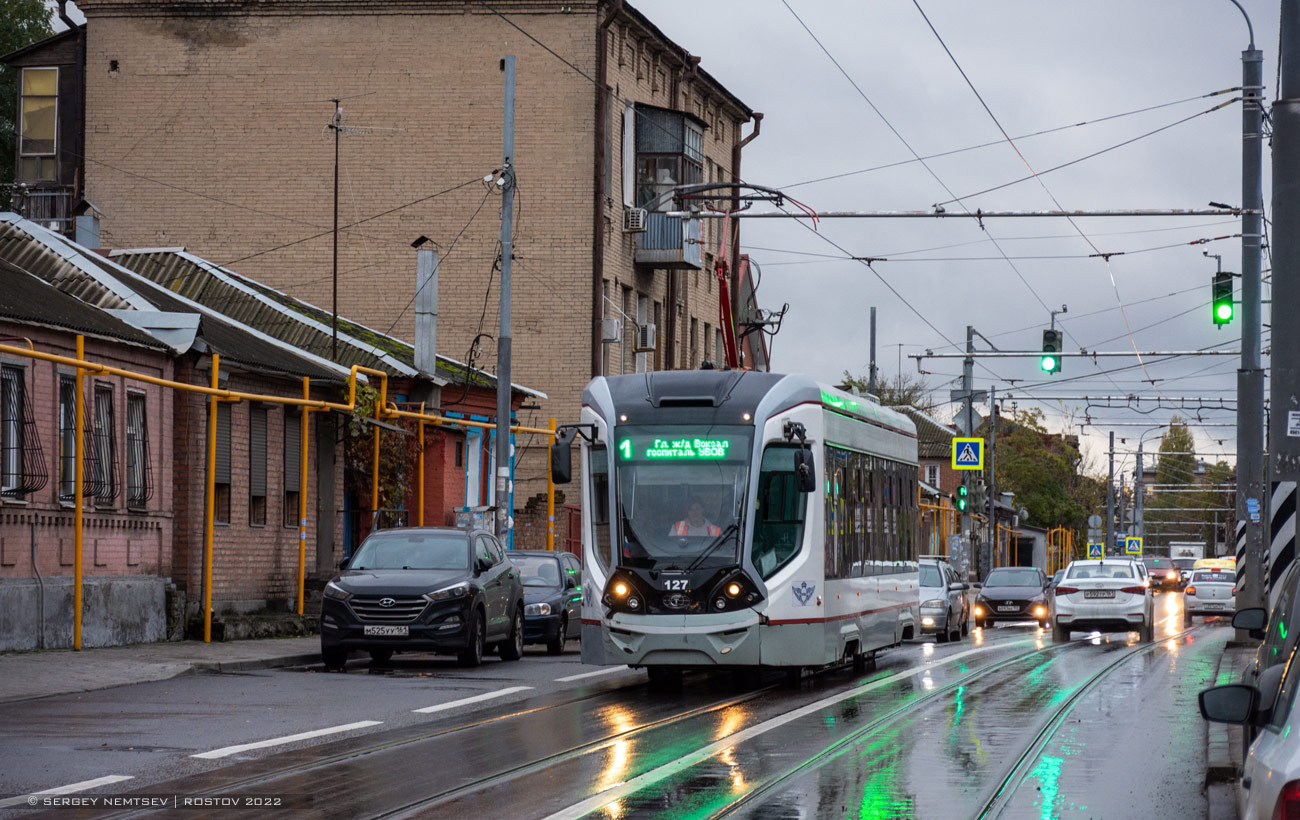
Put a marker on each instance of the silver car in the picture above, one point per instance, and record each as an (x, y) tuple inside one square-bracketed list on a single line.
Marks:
[(1210, 592), (945, 608)]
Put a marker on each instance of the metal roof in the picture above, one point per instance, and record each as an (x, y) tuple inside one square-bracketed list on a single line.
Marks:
[(933, 438), (30, 300), (291, 320)]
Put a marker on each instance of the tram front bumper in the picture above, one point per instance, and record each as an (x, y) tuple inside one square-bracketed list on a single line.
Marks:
[(728, 639)]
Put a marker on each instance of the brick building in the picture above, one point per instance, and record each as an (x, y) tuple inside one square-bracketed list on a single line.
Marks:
[(207, 126)]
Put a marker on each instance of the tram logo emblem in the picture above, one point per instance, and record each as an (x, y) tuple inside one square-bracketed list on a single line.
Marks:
[(676, 600), (803, 592)]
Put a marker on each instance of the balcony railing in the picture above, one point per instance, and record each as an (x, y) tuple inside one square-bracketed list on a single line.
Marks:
[(670, 242), (49, 205)]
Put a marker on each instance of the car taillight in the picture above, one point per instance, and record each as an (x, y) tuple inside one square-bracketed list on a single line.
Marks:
[(1234, 590), (1288, 802), (1191, 590), (1134, 590), (1066, 590)]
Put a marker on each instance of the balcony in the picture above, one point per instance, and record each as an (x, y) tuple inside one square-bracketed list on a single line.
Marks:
[(49, 205), (670, 242)]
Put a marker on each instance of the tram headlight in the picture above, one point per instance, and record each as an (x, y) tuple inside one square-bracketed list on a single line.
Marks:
[(620, 589), (733, 589), (634, 604), (720, 604)]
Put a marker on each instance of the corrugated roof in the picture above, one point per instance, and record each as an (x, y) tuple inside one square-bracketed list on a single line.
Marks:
[(26, 298), (102, 283), (287, 318), (933, 438)]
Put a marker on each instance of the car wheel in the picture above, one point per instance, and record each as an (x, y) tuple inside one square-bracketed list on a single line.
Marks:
[(965, 626), (942, 635), (1147, 632), (512, 648), (555, 646), (381, 655), (1060, 634), (334, 658), (472, 655)]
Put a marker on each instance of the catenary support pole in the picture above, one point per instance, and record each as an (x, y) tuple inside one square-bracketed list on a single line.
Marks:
[(1139, 503), (79, 502), (550, 493), (966, 421), (1248, 533), (503, 501), (1284, 389), (210, 510), (420, 503), (302, 495), (871, 368), (335, 124), (1110, 500), (993, 482)]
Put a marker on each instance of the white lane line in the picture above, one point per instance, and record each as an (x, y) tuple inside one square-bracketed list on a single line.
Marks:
[(510, 690), (595, 674), (279, 741), (621, 790), (71, 788)]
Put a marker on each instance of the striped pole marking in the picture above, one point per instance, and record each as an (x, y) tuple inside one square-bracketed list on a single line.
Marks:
[(1241, 552), (1281, 534)]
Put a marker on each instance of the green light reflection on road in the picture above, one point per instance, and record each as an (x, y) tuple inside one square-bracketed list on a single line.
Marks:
[(961, 706), (1048, 772)]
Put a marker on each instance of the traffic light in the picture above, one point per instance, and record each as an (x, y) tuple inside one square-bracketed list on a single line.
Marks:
[(1051, 360), (980, 498), (962, 493), (1222, 298)]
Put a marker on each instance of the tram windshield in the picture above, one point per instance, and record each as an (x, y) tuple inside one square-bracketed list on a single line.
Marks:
[(681, 495)]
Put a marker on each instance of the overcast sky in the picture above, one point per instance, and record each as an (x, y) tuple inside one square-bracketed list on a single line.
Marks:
[(1037, 66)]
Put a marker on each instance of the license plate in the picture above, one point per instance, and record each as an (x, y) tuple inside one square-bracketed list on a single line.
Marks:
[(388, 631), (1008, 609), (1099, 593)]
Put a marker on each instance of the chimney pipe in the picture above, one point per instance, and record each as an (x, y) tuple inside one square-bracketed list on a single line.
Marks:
[(426, 311)]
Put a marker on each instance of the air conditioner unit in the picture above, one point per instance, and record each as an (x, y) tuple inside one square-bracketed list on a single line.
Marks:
[(634, 220), (647, 337), (611, 330)]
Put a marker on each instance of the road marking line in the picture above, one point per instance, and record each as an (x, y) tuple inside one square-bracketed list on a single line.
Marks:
[(22, 799), (279, 741), (592, 674), (428, 710), (621, 790)]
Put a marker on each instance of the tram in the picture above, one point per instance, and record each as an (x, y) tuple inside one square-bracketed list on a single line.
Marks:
[(741, 519)]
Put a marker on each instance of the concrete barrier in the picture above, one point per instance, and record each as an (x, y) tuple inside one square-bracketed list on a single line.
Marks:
[(116, 610)]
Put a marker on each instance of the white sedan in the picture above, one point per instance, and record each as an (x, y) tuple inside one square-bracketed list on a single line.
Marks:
[(1108, 595), (1210, 592)]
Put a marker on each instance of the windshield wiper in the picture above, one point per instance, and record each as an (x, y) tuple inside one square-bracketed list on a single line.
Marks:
[(712, 548)]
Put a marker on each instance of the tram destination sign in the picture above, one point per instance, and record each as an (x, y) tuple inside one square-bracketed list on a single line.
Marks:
[(675, 447)]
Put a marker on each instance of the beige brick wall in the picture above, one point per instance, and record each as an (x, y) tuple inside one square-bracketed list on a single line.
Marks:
[(211, 133)]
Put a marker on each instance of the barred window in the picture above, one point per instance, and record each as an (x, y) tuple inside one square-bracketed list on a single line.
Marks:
[(257, 466), (292, 464), (12, 402), (139, 483), (105, 447)]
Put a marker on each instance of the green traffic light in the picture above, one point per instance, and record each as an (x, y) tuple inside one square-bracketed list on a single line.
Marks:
[(1223, 311), (1048, 363)]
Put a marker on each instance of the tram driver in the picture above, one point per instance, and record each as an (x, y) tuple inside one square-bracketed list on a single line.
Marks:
[(695, 523)]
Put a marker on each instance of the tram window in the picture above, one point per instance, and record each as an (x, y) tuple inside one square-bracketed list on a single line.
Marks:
[(778, 531), (599, 503)]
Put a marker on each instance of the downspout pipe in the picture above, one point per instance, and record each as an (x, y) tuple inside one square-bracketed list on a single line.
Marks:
[(598, 189), (735, 237), (689, 67), (79, 118)]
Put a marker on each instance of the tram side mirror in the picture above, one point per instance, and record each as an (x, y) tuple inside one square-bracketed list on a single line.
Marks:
[(1253, 620), (805, 477), (562, 456)]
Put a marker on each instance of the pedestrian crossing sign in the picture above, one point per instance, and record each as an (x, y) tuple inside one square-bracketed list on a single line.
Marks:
[(1133, 546), (1096, 551), (968, 454)]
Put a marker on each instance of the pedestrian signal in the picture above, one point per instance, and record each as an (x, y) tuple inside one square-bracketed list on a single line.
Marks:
[(961, 498)]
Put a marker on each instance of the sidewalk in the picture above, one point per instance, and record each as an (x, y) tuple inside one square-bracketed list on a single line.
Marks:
[(26, 675), (1223, 743)]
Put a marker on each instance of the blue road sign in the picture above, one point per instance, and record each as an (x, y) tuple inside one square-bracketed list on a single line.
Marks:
[(1133, 546), (1096, 551), (968, 454)]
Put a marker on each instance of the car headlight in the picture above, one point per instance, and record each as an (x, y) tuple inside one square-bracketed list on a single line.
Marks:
[(448, 593), (338, 593), (537, 609), (935, 603)]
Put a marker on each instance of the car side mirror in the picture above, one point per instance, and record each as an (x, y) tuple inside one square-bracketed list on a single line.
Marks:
[(481, 564), (1233, 703), (958, 586), (562, 456), (977, 585), (1253, 620), (570, 583), (344, 563), (805, 475)]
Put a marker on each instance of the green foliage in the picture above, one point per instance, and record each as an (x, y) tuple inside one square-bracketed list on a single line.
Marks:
[(22, 22), (1043, 470), (397, 454)]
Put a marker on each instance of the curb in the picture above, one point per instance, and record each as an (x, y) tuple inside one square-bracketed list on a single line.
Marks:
[(256, 663)]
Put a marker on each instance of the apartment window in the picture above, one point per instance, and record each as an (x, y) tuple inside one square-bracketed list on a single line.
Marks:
[(39, 124), (615, 118), (708, 342), (629, 332), (654, 363), (932, 475), (139, 484), (257, 466), (221, 476), (695, 359), (669, 152), (67, 441), (719, 347), (292, 465), (12, 405), (642, 317), (105, 447), (460, 454)]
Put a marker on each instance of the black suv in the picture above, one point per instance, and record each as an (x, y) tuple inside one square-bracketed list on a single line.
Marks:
[(424, 589)]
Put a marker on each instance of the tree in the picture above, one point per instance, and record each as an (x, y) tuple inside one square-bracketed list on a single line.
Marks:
[(1175, 475), (903, 390), (1042, 469), (22, 22)]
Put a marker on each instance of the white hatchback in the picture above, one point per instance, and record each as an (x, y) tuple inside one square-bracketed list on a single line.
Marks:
[(1108, 595), (1210, 592)]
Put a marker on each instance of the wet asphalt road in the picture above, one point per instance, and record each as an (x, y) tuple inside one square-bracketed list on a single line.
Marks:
[(1004, 723)]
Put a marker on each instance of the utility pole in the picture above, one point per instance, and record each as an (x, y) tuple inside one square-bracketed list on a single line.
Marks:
[(335, 125), (1122, 504), (871, 371), (1284, 412), (507, 180), (1249, 547), (966, 422), (1139, 517), (1110, 500), (992, 482)]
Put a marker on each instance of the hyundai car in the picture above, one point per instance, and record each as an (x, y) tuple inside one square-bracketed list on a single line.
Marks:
[(1012, 594), (1106, 595)]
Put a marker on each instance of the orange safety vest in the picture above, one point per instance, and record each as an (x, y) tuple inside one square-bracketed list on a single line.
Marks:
[(681, 528)]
